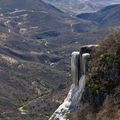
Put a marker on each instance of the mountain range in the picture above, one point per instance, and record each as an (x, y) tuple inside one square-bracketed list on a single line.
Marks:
[(105, 16), (81, 6)]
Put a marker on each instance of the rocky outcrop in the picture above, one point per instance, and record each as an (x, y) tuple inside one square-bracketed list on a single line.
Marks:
[(101, 98)]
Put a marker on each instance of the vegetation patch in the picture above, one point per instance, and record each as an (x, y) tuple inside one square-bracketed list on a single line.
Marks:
[(47, 34), (104, 74)]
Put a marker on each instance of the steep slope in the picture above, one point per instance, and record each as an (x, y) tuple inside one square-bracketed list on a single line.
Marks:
[(32, 10), (27, 72), (23, 82), (101, 99)]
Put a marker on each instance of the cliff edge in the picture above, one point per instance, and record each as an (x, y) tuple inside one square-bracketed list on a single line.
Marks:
[(101, 98)]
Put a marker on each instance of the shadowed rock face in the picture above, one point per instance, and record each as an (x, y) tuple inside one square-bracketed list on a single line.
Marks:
[(79, 62), (75, 69), (78, 65)]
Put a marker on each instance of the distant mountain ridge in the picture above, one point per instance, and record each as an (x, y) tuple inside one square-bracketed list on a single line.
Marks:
[(38, 5), (108, 16), (81, 6)]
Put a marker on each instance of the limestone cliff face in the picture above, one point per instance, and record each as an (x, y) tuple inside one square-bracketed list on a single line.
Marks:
[(101, 99)]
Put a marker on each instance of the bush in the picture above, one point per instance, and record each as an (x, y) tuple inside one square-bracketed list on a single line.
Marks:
[(104, 74)]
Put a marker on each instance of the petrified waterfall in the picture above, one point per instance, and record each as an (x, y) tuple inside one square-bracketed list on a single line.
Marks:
[(78, 70)]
